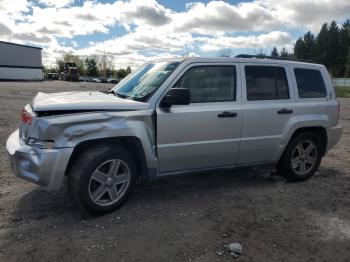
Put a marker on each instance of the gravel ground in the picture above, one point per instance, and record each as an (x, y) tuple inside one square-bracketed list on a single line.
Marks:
[(183, 218)]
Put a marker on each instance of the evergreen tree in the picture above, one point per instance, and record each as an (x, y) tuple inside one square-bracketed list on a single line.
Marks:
[(284, 53), (274, 52), (347, 66), (305, 48), (226, 52), (322, 39), (121, 73), (328, 46), (260, 53), (310, 45), (333, 48), (300, 49), (343, 58)]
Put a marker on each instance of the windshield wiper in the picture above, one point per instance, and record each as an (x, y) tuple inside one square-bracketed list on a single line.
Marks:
[(121, 95), (140, 99), (107, 91)]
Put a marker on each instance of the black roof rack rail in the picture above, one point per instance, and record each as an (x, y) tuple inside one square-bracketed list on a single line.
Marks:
[(275, 58)]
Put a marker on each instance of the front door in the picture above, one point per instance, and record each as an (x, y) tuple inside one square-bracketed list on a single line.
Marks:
[(205, 133)]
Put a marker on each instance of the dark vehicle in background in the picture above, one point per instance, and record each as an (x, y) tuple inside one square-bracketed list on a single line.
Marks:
[(70, 72), (52, 76)]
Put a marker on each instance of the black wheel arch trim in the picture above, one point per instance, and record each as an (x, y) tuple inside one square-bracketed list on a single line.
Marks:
[(133, 144)]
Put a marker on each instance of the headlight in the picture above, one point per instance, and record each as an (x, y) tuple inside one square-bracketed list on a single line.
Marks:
[(44, 144)]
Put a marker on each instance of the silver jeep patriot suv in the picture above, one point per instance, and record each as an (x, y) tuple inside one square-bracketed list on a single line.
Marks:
[(177, 116)]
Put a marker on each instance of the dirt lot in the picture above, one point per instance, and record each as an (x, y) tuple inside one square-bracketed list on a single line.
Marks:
[(184, 218)]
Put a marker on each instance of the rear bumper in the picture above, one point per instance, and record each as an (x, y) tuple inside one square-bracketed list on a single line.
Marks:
[(44, 167), (333, 135)]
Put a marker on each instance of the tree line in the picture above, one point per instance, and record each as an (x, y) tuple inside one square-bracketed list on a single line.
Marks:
[(90, 66), (330, 47)]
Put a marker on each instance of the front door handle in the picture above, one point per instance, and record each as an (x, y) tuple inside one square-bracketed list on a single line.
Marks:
[(227, 114), (284, 111)]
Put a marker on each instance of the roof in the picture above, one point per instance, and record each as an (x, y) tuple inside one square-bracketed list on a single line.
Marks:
[(9, 43)]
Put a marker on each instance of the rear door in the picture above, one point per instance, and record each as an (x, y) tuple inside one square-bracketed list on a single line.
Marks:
[(205, 133), (268, 103)]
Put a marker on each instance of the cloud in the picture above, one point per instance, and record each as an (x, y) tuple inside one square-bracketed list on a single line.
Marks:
[(4, 30), (152, 30), (149, 12), (45, 30), (218, 16), (62, 23), (14, 7), (91, 17), (310, 13), (34, 38), (141, 40), (88, 17), (275, 38)]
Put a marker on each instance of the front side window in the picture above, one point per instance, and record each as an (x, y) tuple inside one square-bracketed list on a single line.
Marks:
[(310, 83), (145, 81), (209, 83), (266, 83)]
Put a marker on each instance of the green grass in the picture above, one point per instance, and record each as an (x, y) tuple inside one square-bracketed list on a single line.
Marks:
[(342, 91)]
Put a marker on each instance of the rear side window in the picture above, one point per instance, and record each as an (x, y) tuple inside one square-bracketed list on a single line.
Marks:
[(210, 83), (310, 83), (266, 83)]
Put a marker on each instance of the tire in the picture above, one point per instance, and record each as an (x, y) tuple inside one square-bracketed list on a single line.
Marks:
[(102, 178), (298, 161)]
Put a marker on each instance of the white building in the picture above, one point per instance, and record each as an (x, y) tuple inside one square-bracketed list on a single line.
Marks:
[(20, 62)]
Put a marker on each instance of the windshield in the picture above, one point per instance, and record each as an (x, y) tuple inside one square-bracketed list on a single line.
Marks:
[(147, 79)]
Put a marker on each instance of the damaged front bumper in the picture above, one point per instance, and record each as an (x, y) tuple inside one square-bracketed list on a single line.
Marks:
[(44, 167)]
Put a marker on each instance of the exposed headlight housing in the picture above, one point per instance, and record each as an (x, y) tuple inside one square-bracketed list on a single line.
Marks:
[(43, 144), (26, 115)]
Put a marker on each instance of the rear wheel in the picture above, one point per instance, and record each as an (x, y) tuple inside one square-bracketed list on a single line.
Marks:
[(301, 158), (102, 178)]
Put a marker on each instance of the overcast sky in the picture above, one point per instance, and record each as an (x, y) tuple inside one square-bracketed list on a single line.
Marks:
[(137, 30)]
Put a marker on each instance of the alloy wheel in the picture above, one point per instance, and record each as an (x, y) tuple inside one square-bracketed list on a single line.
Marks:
[(304, 157), (109, 182)]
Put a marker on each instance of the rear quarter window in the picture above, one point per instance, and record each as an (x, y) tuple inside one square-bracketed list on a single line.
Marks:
[(310, 83)]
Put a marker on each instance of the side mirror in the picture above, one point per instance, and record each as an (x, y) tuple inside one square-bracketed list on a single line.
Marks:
[(176, 96)]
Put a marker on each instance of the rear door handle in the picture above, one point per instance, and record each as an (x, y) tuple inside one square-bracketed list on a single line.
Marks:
[(227, 114), (285, 111)]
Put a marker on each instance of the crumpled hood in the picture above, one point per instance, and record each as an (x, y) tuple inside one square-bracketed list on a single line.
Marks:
[(93, 100)]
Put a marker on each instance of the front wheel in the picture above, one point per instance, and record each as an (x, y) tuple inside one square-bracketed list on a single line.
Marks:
[(102, 178), (301, 158)]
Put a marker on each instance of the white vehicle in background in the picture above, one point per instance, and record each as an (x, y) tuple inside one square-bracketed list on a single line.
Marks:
[(174, 117), (96, 80)]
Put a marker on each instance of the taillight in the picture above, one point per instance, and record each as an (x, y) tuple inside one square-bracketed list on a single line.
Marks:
[(25, 117)]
